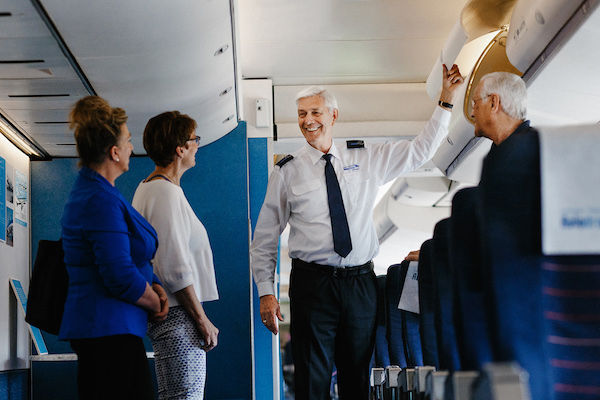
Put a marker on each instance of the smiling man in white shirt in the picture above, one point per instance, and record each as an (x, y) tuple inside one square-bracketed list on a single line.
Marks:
[(327, 194)]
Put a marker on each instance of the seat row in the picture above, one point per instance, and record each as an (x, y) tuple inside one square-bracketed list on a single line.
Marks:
[(496, 381), (487, 294)]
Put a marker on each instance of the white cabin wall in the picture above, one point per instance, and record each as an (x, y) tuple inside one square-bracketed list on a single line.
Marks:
[(14, 264)]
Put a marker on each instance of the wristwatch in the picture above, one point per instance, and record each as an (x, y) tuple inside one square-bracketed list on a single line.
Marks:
[(446, 105)]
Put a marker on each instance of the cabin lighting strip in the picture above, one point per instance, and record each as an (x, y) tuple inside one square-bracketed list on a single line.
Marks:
[(17, 139)]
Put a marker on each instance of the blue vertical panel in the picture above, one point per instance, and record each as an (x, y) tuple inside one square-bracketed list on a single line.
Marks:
[(263, 353), (217, 191), (51, 183), (14, 385)]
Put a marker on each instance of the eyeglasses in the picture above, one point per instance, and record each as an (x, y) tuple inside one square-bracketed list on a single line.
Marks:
[(195, 139), (474, 100)]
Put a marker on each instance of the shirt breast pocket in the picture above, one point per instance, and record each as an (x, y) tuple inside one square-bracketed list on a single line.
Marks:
[(309, 199), (357, 184)]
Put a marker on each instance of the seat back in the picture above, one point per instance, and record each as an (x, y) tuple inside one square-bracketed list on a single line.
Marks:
[(381, 356), (427, 306), (570, 226), (396, 345), (472, 321), (444, 298), (403, 326)]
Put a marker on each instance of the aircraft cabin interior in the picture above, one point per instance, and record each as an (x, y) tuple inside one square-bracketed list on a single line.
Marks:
[(504, 299)]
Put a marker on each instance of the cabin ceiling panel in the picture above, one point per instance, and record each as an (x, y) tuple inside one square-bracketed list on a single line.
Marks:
[(21, 24), (38, 103), (28, 48), (148, 57), (178, 82), (325, 62), (43, 130), (327, 42), (23, 117), (138, 27), (51, 68), (37, 86), (53, 139), (61, 150)]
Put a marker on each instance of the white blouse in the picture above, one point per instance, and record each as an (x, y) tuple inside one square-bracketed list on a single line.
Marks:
[(184, 256)]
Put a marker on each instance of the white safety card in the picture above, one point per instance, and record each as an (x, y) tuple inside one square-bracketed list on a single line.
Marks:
[(409, 301)]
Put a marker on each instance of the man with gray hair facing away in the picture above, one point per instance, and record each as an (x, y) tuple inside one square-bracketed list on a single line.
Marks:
[(499, 106), (499, 111), (327, 194)]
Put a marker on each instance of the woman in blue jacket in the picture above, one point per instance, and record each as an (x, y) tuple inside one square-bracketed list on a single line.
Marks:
[(108, 247)]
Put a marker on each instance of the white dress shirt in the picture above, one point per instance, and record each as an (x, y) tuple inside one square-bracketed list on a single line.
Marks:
[(184, 256), (297, 194)]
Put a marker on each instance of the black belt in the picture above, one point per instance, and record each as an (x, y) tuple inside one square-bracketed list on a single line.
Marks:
[(336, 272)]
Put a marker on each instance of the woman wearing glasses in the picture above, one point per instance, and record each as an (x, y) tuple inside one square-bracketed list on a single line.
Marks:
[(183, 261)]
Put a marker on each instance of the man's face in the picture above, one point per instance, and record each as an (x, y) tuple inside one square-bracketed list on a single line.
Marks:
[(481, 112), (316, 122)]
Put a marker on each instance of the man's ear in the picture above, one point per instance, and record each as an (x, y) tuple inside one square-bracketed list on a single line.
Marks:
[(334, 116), (495, 102)]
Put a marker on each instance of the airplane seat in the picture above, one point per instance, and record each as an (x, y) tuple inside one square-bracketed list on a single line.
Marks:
[(511, 250), (427, 306), (546, 309), (471, 319), (403, 326), (396, 345), (381, 356), (570, 266), (444, 298)]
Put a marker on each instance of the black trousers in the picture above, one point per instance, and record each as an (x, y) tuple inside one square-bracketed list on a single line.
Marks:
[(113, 367), (332, 320)]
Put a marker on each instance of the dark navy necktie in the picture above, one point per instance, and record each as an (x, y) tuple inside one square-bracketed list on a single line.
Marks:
[(342, 244)]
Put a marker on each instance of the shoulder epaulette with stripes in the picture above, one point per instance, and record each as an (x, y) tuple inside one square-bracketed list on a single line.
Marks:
[(284, 160)]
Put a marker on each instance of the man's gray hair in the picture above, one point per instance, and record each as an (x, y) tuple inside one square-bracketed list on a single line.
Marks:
[(328, 97), (511, 89)]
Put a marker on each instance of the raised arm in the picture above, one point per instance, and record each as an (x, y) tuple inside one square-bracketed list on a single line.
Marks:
[(402, 156)]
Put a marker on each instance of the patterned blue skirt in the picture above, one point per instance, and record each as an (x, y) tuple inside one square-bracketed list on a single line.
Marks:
[(179, 361)]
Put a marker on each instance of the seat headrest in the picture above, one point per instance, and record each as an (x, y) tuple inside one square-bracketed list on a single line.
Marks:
[(570, 189)]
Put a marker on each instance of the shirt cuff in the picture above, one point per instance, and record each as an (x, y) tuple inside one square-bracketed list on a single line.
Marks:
[(265, 288), (442, 115), (175, 277)]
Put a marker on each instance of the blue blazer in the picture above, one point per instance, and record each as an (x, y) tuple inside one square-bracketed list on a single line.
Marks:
[(108, 247)]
